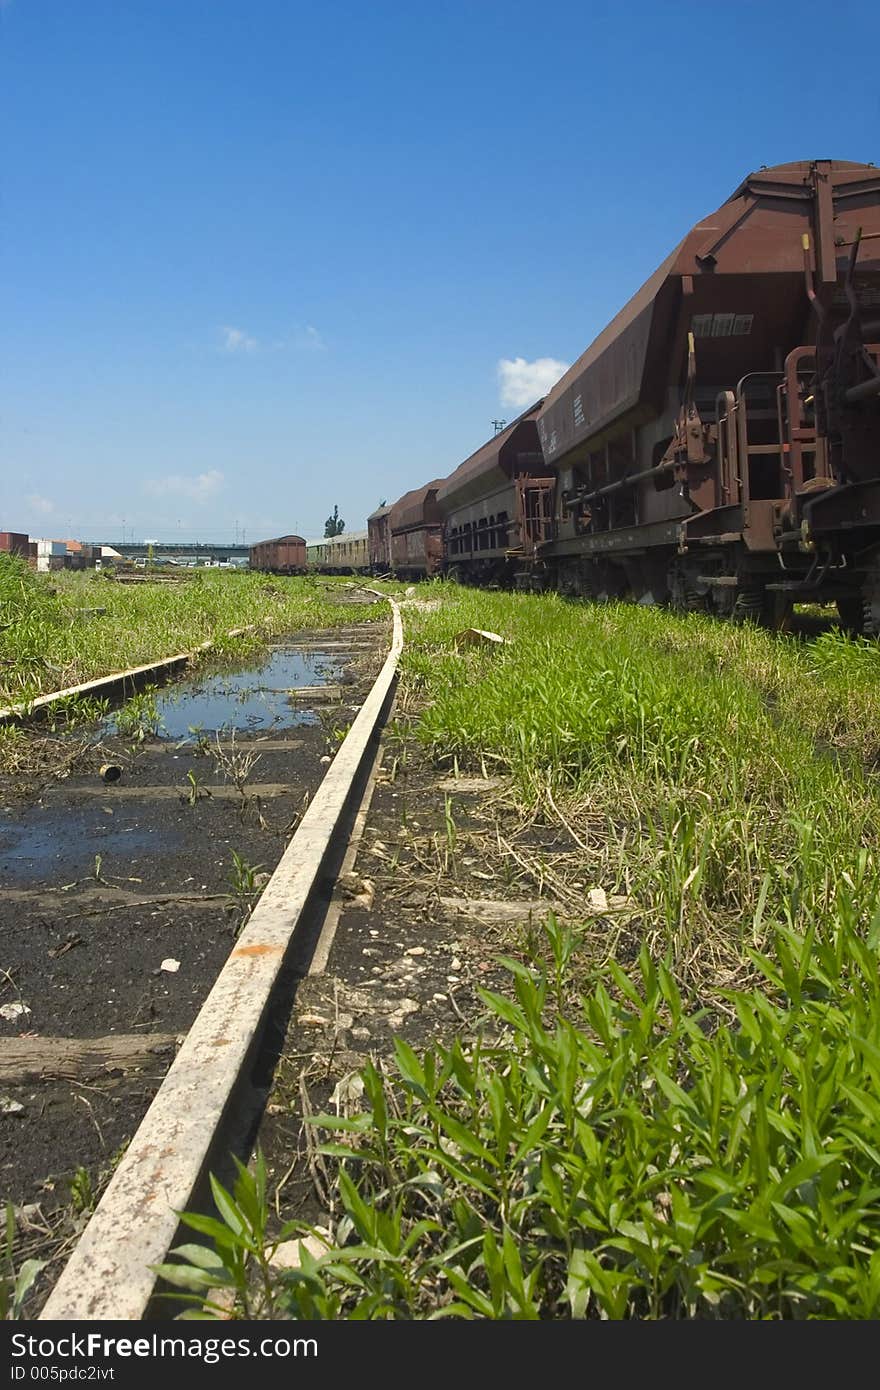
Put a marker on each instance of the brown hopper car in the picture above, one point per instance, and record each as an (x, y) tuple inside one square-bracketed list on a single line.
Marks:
[(415, 524), (379, 540), (718, 445), (497, 505)]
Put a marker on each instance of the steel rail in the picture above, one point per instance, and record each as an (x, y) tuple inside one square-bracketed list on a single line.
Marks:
[(134, 676), (109, 1274)]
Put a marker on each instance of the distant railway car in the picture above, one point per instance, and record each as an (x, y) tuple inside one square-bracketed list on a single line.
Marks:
[(498, 505), (15, 543), (345, 554), (416, 528), (718, 445), (285, 555), (379, 540)]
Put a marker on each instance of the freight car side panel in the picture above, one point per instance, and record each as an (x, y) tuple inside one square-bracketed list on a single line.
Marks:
[(735, 281), (283, 555)]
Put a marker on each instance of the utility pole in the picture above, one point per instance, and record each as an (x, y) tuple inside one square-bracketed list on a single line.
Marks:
[(499, 425)]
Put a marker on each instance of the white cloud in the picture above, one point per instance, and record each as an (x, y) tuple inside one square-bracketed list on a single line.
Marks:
[(39, 504), (311, 338), (236, 340), (199, 488), (523, 382)]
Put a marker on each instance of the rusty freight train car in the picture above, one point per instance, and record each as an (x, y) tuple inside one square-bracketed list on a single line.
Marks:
[(497, 505), (416, 528), (379, 540), (284, 555), (718, 445)]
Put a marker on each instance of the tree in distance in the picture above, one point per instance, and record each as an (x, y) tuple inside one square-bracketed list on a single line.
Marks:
[(334, 525)]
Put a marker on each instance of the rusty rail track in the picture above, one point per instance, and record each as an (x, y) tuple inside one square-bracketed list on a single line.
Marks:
[(118, 683), (187, 1127)]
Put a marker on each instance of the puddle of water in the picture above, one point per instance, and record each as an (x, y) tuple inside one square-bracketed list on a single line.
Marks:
[(253, 699), (30, 849)]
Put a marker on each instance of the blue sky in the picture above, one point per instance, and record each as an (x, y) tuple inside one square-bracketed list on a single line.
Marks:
[(263, 258)]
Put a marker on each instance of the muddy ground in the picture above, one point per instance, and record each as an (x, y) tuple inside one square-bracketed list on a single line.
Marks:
[(106, 888)]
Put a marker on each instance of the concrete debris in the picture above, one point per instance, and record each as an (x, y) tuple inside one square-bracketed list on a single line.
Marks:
[(288, 1255), (170, 965), (10, 1107), (12, 1012), (499, 909)]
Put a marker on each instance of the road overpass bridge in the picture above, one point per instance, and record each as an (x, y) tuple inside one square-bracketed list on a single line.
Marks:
[(179, 550)]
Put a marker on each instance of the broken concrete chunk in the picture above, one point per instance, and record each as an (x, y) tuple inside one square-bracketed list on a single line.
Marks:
[(478, 636), (288, 1255)]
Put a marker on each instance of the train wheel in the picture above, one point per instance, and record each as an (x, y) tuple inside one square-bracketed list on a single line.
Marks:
[(871, 599)]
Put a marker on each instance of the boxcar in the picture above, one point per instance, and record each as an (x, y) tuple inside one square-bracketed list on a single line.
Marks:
[(284, 555)]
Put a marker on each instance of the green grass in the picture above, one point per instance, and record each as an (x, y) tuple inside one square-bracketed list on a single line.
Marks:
[(47, 641), (724, 778)]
